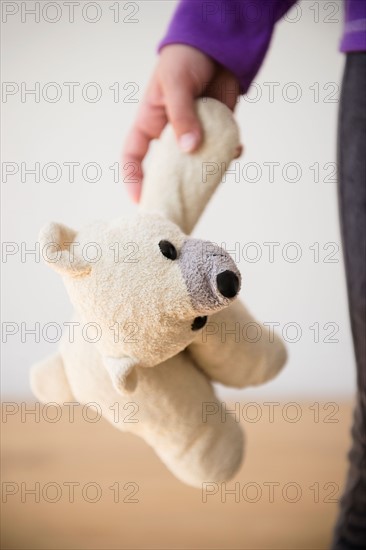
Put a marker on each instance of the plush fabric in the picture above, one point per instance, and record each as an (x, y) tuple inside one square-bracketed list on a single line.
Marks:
[(157, 301)]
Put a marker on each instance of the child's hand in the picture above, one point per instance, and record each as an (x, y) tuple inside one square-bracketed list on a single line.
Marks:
[(182, 74)]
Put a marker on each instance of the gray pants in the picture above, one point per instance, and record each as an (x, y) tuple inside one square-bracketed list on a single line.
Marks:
[(350, 531)]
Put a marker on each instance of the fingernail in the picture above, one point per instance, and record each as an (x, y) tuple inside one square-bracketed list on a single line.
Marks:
[(188, 142)]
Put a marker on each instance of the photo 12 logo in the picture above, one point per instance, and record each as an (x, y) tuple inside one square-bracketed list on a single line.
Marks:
[(253, 492), (70, 12), (69, 491)]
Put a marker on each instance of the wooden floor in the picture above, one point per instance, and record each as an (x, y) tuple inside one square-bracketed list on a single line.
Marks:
[(125, 498)]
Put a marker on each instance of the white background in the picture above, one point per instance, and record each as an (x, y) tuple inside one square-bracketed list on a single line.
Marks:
[(276, 129)]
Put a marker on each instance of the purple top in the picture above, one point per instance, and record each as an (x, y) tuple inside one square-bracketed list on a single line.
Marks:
[(237, 33)]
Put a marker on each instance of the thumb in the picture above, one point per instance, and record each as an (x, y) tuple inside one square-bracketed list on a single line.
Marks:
[(180, 107)]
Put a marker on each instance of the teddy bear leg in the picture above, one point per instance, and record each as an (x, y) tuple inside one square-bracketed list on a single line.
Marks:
[(214, 456), (185, 423), (48, 381)]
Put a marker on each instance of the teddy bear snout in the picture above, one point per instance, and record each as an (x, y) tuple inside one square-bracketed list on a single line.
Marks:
[(211, 275)]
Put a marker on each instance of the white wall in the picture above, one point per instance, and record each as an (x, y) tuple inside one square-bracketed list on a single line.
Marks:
[(303, 132)]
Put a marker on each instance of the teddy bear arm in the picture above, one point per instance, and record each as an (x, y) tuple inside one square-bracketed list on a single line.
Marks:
[(49, 382), (236, 350), (179, 185)]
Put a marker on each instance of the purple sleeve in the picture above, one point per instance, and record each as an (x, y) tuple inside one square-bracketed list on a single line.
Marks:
[(354, 33), (235, 33)]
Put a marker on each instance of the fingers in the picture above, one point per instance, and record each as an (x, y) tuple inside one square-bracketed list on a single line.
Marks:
[(180, 107), (239, 151), (152, 117), (136, 147), (149, 124), (224, 87), (184, 72)]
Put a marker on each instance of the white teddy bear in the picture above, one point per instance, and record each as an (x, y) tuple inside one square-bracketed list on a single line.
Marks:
[(149, 292)]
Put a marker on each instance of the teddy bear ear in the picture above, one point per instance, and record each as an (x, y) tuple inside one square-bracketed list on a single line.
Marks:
[(60, 251)]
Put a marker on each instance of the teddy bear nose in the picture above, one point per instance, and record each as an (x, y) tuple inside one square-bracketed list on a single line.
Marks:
[(228, 283)]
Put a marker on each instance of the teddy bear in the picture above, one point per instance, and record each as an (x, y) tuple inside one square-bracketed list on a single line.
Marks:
[(154, 300)]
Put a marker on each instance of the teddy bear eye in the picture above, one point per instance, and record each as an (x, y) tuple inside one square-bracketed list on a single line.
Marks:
[(199, 322), (168, 250)]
